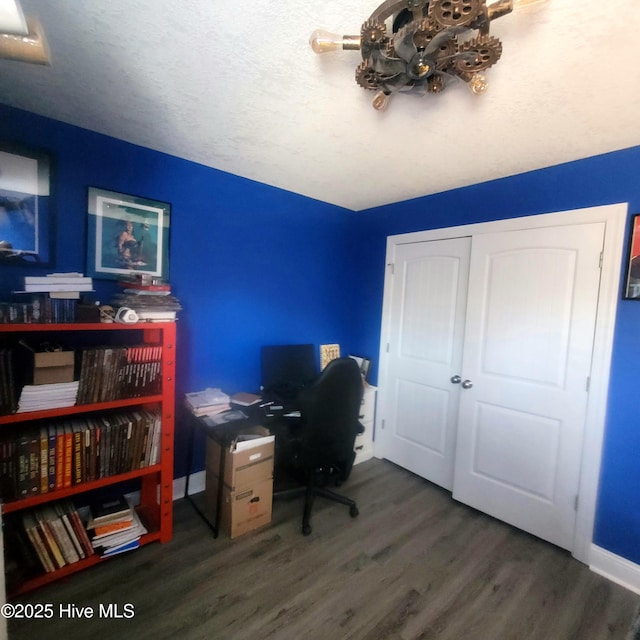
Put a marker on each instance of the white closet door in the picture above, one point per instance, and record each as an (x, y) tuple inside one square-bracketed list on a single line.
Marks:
[(425, 352), (531, 312)]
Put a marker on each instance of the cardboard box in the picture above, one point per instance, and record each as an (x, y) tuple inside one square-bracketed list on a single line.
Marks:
[(248, 480), (243, 510), (53, 366), (247, 509), (248, 461)]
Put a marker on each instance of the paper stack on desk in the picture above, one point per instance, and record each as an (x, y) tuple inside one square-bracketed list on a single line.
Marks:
[(208, 402)]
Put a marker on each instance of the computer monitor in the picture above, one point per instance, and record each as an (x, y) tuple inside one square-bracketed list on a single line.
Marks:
[(287, 369)]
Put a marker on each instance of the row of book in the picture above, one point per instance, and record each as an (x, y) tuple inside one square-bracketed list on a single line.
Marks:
[(57, 534), (67, 452), (52, 536), (39, 309), (114, 373)]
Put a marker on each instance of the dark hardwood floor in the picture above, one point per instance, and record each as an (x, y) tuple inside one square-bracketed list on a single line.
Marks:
[(414, 565)]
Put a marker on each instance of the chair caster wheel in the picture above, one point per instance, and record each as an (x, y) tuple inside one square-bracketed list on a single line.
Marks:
[(306, 529), (353, 512)]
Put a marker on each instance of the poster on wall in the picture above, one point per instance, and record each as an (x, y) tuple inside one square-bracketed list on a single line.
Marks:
[(632, 288), (127, 235), (25, 206)]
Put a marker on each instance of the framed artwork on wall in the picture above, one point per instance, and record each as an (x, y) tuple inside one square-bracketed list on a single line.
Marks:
[(632, 284), (26, 206), (127, 235)]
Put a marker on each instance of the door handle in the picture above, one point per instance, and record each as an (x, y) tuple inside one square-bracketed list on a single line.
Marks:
[(456, 379), (467, 384)]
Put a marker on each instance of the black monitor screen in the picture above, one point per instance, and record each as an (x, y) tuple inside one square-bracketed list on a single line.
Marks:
[(287, 369)]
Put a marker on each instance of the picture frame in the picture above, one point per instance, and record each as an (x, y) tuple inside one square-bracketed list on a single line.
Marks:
[(127, 235), (26, 206), (632, 282)]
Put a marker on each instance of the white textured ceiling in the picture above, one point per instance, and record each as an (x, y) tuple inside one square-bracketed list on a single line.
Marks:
[(234, 85)]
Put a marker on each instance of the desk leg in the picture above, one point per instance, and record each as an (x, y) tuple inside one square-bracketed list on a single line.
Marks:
[(220, 490), (215, 528)]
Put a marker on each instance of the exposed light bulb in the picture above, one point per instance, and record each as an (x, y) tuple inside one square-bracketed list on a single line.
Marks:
[(322, 41), (478, 84), (380, 101)]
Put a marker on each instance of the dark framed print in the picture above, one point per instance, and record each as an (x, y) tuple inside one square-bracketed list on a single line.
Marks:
[(26, 206), (632, 285), (127, 235)]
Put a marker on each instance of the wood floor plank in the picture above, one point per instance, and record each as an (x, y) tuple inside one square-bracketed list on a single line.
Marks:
[(415, 565)]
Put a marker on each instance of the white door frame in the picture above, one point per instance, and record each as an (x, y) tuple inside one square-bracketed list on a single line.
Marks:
[(615, 218)]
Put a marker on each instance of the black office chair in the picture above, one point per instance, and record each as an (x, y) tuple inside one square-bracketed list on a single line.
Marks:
[(322, 450)]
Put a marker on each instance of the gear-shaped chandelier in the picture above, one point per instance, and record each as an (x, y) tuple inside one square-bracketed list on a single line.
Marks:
[(422, 45)]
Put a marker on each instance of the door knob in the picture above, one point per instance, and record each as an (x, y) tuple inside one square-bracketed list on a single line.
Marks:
[(456, 379), (467, 384)]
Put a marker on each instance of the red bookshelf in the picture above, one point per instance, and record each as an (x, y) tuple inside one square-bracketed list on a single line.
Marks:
[(155, 482)]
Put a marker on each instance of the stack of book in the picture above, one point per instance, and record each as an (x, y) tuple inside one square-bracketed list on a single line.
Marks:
[(151, 302), (53, 298), (38, 397), (59, 285), (114, 527), (210, 401)]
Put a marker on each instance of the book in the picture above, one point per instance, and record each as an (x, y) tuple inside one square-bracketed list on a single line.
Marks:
[(121, 548), (130, 285), (56, 286), (57, 279), (207, 400), (78, 526), (30, 526), (107, 529), (245, 399), (109, 510), (48, 515)]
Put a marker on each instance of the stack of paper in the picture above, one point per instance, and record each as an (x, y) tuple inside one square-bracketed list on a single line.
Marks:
[(38, 397), (207, 402)]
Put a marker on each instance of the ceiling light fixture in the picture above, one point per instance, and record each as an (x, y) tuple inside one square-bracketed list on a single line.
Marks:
[(422, 45)]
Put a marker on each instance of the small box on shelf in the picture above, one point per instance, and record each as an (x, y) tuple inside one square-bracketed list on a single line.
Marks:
[(52, 366)]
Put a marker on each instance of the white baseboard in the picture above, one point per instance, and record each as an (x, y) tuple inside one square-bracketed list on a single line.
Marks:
[(196, 484), (615, 568)]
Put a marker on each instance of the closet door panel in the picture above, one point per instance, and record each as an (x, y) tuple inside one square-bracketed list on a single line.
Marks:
[(420, 408), (531, 312)]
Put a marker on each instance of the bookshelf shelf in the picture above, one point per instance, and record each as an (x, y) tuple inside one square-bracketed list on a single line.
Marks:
[(29, 416), (154, 481), (59, 494)]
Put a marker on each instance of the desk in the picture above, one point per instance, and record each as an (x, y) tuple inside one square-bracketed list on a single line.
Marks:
[(224, 434)]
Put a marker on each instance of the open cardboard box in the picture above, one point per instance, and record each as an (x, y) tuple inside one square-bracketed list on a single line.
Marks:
[(248, 481), (248, 460)]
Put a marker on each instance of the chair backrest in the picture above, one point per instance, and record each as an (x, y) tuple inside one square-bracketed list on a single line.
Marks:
[(330, 411)]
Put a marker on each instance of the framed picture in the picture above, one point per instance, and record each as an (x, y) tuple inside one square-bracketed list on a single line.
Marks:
[(26, 206), (127, 235), (632, 286)]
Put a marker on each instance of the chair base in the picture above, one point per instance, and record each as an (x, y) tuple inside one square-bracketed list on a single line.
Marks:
[(310, 492)]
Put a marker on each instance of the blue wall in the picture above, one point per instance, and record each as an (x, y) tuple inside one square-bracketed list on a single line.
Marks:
[(255, 265), (251, 264)]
